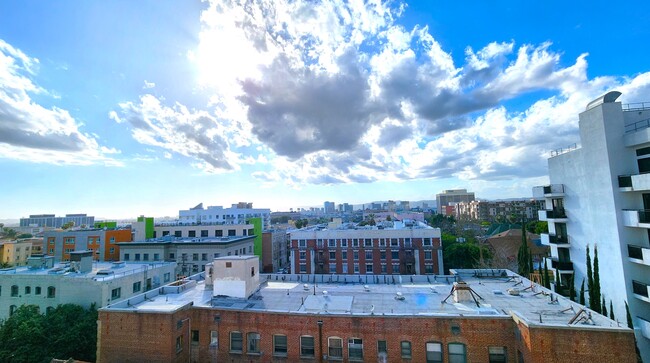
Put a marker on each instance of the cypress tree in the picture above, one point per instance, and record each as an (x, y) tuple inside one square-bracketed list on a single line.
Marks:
[(558, 284), (604, 306), (541, 275), (572, 289), (582, 292), (611, 310), (547, 283), (598, 307), (628, 316), (590, 282)]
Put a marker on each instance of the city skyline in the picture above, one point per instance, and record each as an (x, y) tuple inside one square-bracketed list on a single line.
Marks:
[(123, 109)]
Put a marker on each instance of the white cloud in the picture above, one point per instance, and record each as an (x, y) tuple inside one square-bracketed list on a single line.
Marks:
[(30, 132), (148, 85)]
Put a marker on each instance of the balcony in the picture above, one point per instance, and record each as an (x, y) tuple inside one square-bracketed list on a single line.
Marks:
[(554, 215), (636, 218), (559, 241), (549, 191), (638, 254), (643, 325), (561, 265), (640, 290), (634, 183)]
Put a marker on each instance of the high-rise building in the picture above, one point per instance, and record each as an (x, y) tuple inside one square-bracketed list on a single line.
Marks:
[(329, 207), (49, 220), (599, 197), (452, 197)]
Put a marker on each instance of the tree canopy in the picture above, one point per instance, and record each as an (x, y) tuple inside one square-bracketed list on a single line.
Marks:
[(67, 331)]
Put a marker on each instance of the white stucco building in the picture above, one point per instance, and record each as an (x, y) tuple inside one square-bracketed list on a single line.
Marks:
[(80, 281), (600, 195), (236, 214)]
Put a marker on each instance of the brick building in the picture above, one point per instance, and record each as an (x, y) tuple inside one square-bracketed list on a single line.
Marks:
[(409, 248), (471, 316)]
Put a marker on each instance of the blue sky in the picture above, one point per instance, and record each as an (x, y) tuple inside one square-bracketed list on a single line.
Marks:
[(123, 108)]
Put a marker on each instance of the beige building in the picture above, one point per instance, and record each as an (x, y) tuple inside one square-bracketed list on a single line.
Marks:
[(15, 253)]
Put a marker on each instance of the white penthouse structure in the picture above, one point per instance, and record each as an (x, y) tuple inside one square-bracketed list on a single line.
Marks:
[(600, 196), (236, 214)]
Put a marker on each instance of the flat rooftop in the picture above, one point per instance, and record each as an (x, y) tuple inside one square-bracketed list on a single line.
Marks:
[(187, 240), (101, 271), (497, 294)]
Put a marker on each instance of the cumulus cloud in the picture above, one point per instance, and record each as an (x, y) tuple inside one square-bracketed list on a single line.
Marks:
[(31, 132), (340, 92)]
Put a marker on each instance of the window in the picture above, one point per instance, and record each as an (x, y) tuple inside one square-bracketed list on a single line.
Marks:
[(236, 341), (115, 293), (356, 255), (204, 257), (344, 242), (344, 255), (367, 242), (356, 268), (345, 268), (319, 243), (191, 233), (14, 290), (307, 346), (179, 343), (12, 309), (382, 255), (456, 353), (195, 337), (382, 242), (302, 243), (355, 349), (51, 291), (428, 269), (167, 277), (37, 290), (280, 345), (393, 242), (331, 243), (332, 255), (214, 338), (204, 233), (195, 257), (218, 233), (407, 242), (332, 267), (368, 255), (497, 354), (368, 268), (406, 349), (428, 255), (434, 352), (335, 348), (426, 242), (228, 264), (178, 233), (383, 268), (137, 257), (156, 256), (126, 257), (355, 242), (303, 255), (232, 232), (137, 286), (381, 347), (111, 250), (172, 256), (145, 257)]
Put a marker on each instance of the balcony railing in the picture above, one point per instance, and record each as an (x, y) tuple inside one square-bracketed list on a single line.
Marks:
[(562, 265), (639, 288), (557, 213), (557, 240), (634, 182)]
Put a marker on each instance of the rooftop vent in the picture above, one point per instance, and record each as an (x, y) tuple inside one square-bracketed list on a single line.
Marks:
[(399, 296)]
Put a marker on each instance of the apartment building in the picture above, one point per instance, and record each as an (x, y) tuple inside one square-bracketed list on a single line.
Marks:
[(50, 220), (81, 281), (499, 210), (231, 313), (236, 214), (599, 195), (451, 197), (190, 254), (15, 253), (103, 242), (409, 247)]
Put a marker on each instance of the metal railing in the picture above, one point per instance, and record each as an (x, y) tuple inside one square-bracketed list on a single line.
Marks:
[(639, 125), (563, 150), (636, 106)]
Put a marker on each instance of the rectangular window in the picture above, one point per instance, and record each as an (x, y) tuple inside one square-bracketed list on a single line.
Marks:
[(344, 242), (394, 255), (306, 347), (344, 255), (344, 268), (303, 255), (382, 242), (355, 255), (179, 343), (381, 347), (214, 338), (406, 349), (395, 267), (126, 257), (426, 242), (428, 269), (434, 352), (167, 277), (356, 268), (232, 232), (368, 268), (367, 242), (497, 354), (178, 234), (204, 233), (382, 255), (332, 267), (407, 242), (28, 289), (368, 255), (457, 353), (137, 257), (331, 243), (355, 242), (218, 233), (111, 250), (191, 234), (332, 255), (319, 243), (280, 345), (156, 257), (137, 286), (172, 256), (195, 257), (355, 349), (37, 290), (393, 242), (116, 293), (303, 268), (302, 243), (428, 255), (236, 341), (195, 337), (253, 343), (383, 268), (145, 257), (335, 348), (204, 257)]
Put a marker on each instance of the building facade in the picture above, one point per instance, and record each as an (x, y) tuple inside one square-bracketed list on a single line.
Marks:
[(275, 254), (500, 210), (226, 315), (190, 254), (46, 284), (451, 197), (396, 248), (598, 196), (103, 242), (15, 253), (50, 220), (221, 215)]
